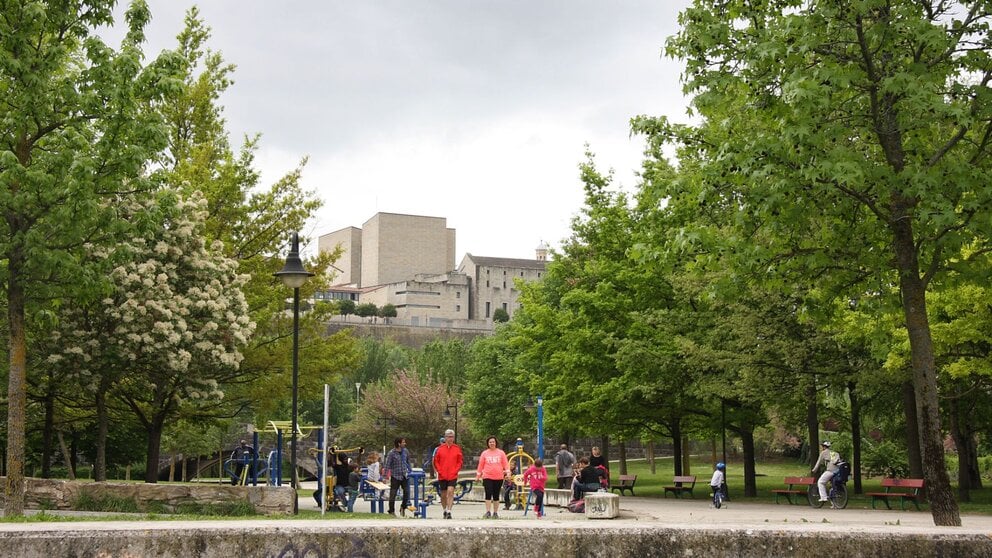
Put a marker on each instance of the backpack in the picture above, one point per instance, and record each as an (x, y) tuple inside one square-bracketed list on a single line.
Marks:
[(577, 506), (843, 471), (604, 480)]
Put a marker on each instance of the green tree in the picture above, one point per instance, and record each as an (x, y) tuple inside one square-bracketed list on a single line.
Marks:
[(367, 310), (77, 134), (167, 339), (501, 316), (346, 307), (852, 140)]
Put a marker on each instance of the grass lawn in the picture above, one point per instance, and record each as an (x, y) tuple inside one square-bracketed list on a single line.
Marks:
[(769, 476)]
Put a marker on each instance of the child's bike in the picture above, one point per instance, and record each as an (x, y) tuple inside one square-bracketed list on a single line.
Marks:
[(837, 496), (717, 497)]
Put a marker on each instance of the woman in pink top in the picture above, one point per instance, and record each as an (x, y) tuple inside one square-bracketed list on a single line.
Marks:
[(537, 477), (493, 468)]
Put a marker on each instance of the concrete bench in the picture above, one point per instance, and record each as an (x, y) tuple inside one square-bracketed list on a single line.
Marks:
[(602, 505)]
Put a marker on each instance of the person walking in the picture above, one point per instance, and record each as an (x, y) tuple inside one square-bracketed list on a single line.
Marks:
[(397, 468), (447, 464), (564, 462), (493, 468)]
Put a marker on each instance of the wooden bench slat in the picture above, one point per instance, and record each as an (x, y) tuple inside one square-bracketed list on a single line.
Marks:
[(791, 491), (626, 482), (915, 484), (680, 487)]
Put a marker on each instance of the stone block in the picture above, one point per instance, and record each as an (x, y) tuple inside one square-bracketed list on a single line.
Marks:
[(602, 505)]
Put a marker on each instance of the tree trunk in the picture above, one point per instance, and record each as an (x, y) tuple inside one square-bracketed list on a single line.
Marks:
[(812, 421), (912, 431), (852, 394), (14, 487), (677, 446), (102, 428), (750, 480), (622, 448), (172, 467), (686, 457), (605, 449), (153, 451), (964, 481), (67, 456), (651, 460), (943, 507), (48, 431)]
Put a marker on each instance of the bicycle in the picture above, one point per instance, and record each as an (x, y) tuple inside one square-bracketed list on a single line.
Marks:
[(718, 497), (837, 495)]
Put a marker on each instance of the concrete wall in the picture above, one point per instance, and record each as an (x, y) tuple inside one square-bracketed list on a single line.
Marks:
[(325, 539)]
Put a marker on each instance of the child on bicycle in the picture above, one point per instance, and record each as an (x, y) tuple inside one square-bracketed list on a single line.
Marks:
[(716, 482)]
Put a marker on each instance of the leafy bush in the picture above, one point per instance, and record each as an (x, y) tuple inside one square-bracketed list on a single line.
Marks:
[(885, 458)]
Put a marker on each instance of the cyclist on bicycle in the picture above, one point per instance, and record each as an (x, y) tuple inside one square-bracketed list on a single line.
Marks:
[(716, 482), (829, 459)]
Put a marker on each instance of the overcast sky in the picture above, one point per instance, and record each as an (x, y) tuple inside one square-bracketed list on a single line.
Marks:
[(476, 111)]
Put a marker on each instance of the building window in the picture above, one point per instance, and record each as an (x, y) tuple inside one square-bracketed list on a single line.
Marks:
[(487, 308), (487, 283), (538, 274), (458, 294), (504, 273), (521, 273), (458, 308), (504, 307), (504, 284)]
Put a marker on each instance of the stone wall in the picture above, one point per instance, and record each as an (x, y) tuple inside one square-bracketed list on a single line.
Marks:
[(168, 498), (496, 539)]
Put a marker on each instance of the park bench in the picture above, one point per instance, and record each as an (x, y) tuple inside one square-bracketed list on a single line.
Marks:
[(915, 485), (799, 493), (681, 485), (626, 483)]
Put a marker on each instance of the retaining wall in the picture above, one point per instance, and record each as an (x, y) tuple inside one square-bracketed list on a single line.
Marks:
[(64, 495), (326, 540)]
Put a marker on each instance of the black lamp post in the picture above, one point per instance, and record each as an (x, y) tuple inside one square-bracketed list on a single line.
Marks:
[(385, 422), (294, 275), (447, 414)]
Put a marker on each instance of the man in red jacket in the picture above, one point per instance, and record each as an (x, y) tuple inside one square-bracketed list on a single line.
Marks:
[(448, 463)]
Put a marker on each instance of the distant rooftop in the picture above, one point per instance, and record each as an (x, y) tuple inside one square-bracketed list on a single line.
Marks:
[(508, 262)]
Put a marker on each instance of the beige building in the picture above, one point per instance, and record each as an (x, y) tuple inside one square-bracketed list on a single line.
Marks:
[(407, 261), (425, 300), (392, 247), (491, 281)]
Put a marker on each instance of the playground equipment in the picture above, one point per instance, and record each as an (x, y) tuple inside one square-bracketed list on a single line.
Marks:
[(244, 466), (325, 483), (274, 462), (519, 494)]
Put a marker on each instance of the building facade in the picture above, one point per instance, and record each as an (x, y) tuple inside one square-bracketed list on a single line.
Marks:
[(491, 282)]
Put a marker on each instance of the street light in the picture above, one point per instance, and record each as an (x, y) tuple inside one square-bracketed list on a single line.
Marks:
[(385, 422), (540, 423), (294, 275), (358, 392), (447, 414)]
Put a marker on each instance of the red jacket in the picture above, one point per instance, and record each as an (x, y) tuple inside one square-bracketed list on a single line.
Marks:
[(448, 462)]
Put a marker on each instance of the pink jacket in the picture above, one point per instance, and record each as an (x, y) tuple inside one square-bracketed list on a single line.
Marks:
[(493, 464), (537, 477)]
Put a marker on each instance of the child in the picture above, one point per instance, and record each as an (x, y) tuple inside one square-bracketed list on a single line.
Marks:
[(537, 477), (373, 472), (716, 483), (354, 480)]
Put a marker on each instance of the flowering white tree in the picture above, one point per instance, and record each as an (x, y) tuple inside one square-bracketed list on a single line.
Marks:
[(169, 334)]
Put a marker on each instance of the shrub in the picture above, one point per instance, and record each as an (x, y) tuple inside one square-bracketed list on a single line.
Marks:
[(87, 502), (885, 458)]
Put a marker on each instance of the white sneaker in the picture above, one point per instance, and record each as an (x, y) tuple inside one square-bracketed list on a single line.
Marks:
[(823, 500)]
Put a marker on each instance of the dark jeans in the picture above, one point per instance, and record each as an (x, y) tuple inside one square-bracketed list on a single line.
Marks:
[(564, 482), (581, 489), (394, 485)]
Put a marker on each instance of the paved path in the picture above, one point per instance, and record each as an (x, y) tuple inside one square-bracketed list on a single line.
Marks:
[(636, 513)]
